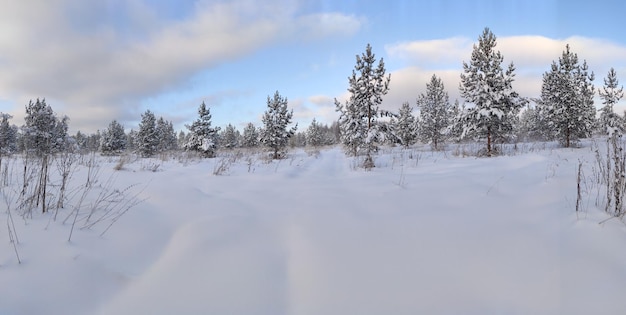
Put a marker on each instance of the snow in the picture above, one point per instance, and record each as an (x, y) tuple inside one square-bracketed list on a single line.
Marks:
[(422, 233)]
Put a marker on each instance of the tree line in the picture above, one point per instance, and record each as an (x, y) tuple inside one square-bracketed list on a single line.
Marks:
[(492, 111)]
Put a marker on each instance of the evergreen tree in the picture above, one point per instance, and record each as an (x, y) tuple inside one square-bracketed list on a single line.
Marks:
[(457, 114), (435, 113), (131, 140), (229, 138), (39, 128), (532, 126), (250, 136), (611, 94), (147, 136), (275, 134), (314, 135), (167, 136), (113, 139), (81, 141), (298, 140), (61, 140), (8, 136), (405, 127), (358, 116), (180, 142), (567, 99), (43, 135), (485, 84), (93, 141), (202, 137)]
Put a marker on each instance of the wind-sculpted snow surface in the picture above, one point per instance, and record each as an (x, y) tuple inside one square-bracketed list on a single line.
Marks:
[(312, 234)]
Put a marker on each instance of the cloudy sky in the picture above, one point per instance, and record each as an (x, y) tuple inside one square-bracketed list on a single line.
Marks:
[(96, 61)]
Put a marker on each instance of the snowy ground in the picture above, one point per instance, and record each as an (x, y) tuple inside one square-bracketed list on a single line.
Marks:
[(423, 233)]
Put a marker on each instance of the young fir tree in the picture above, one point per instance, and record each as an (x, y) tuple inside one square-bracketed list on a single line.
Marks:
[(39, 128), (457, 114), (314, 135), (532, 125), (180, 141), (202, 137), (81, 141), (43, 134), (405, 126), (611, 94), (229, 138), (360, 131), (250, 138), (113, 139), (486, 85), (147, 136), (275, 134), (435, 113), (167, 136), (131, 140), (567, 99), (8, 136)]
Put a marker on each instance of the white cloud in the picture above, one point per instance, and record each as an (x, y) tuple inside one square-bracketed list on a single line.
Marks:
[(431, 53), (101, 71), (532, 56)]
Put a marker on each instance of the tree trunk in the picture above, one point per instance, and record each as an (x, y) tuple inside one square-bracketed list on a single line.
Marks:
[(44, 175), (489, 141)]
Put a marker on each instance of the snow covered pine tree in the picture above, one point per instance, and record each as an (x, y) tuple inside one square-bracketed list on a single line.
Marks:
[(405, 126), (435, 113), (486, 85), (250, 136), (567, 99), (147, 137), (276, 118), (113, 140), (358, 116), (314, 135), (202, 137), (611, 94)]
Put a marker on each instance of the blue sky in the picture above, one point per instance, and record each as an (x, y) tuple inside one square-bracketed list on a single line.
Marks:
[(96, 61)]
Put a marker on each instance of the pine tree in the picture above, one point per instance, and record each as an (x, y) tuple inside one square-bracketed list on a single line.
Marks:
[(358, 116), (180, 141), (250, 136), (435, 113), (61, 141), (275, 134), (611, 94), (314, 135), (40, 124), (81, 141), (166, 135), (405, 126), (567, 99), (43, 134), (8, 136), (147, 136), (532, 125), (485, 84), (113, 139), (457, 113), (229, 138), (202, 137)]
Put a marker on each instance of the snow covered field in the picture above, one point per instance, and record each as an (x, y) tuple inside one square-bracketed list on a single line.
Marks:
[(422, 233)]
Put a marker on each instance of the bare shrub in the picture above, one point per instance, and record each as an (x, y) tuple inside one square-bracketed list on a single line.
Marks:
[(121, 162), (222, 166)]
